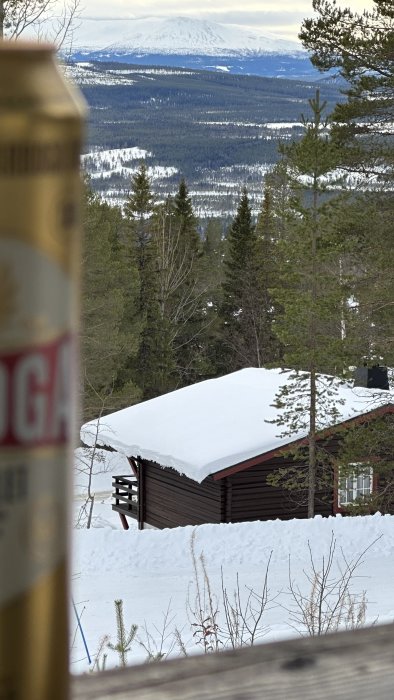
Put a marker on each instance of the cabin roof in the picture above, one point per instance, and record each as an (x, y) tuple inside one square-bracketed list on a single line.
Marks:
[(212, 425)]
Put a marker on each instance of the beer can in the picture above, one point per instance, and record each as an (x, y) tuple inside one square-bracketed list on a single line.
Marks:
[(41, 120)]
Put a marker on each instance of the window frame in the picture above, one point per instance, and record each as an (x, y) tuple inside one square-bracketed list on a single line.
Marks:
[(362, 469)]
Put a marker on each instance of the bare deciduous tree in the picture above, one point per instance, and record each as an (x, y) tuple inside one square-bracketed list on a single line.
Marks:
[(48, 20), (241, 622), (86, 464), (329, 604)]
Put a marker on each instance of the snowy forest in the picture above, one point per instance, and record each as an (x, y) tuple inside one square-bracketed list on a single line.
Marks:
[(169, 300)]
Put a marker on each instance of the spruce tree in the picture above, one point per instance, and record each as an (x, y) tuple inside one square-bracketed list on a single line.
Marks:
[(191, 297), (139, 203), (186, 221), (268, 235), (166, 241), (140, 241), (138, 211), (244, 311), (212, 259), (106, 342), (213, 247)]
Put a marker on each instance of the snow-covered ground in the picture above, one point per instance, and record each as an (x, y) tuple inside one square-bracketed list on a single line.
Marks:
[(217, 193), (85, 73), (116, 161), (152, 570)]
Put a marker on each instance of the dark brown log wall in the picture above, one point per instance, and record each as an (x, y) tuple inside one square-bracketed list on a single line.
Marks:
[(172, 500), (249, 497)]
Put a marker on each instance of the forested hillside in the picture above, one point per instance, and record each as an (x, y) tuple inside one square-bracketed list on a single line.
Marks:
[(165, 111), (202, 124)]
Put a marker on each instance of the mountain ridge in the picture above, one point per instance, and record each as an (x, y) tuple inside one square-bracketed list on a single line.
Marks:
[(179, 36)]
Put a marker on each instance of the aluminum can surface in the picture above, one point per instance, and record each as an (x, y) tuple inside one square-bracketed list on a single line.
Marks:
[(40, 134)]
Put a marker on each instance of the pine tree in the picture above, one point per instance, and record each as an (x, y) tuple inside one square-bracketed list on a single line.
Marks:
[(156, 367), (366, 224), (139, 203), (277, 185), (361, 46), (312, 292), (369, 446)]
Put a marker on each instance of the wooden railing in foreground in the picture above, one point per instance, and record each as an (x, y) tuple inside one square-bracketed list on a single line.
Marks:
[(345, 666)]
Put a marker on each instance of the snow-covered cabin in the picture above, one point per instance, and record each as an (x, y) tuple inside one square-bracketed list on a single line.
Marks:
[(202, 454)]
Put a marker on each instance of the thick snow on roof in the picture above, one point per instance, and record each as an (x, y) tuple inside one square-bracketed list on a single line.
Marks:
[(206, 427)]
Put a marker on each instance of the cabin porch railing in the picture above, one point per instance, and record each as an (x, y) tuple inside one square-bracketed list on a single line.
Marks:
[(125, 497)]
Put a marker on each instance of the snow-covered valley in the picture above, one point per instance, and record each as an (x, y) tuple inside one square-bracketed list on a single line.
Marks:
[(217, 130), (215, 194)]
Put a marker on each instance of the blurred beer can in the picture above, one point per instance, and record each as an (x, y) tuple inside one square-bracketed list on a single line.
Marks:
[(41, 119)]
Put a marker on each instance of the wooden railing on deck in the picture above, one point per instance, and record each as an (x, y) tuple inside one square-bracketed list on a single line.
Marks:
[(125, 495), (343, 666)]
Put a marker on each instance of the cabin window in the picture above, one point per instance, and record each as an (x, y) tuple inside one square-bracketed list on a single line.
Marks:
[(355, 485)]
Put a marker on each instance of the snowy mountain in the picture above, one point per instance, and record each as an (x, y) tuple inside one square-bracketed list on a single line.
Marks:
[(177, 35)]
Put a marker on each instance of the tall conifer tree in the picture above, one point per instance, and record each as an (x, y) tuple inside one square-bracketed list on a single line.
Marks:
[(147, 367), (246, 335), (360, 45), (191, 298), (186, 221), (268, 235), (106, 341), (138, 210), (312, 292)]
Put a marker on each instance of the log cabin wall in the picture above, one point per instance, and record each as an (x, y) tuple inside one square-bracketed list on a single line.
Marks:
[(172, 500), (249, 497)]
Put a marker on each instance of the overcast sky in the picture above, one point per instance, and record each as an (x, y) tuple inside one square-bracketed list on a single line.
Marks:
[(281, 17)]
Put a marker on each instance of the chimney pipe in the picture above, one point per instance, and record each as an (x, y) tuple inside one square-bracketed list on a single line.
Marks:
[(375, 377)]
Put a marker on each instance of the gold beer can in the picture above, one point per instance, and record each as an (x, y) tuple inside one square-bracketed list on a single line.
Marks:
[(40, 138)]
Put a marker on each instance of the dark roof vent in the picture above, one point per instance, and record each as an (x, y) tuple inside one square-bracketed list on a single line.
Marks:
[(375, 377)]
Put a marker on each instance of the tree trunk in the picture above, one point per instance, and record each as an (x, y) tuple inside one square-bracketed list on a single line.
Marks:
[(312, 367), (312, 447), (1, 19), (313, 324)]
